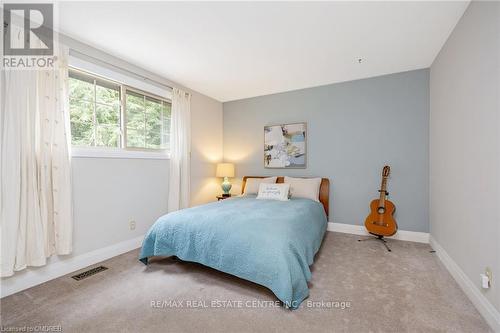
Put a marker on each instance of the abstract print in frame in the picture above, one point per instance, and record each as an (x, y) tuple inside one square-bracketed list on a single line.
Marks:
[(285, 146)]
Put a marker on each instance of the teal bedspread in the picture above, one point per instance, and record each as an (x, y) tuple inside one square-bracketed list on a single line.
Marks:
[(268, 242)]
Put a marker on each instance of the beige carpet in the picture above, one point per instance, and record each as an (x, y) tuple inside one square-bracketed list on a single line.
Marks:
[(407, 290)]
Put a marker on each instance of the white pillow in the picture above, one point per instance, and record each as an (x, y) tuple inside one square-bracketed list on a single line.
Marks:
[(252, 184), (274, 191), (304, 187)]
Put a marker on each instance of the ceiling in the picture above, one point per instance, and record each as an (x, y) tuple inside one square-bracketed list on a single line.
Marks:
[(235, 50)]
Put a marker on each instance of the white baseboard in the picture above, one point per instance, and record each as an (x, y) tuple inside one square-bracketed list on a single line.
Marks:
[(57, 267), (411, 236), (485, 308)]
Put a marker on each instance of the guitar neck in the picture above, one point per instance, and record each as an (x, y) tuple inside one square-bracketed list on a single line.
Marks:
[(383, 190)]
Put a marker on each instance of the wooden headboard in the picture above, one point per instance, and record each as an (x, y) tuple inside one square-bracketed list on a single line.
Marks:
[(324, 189)]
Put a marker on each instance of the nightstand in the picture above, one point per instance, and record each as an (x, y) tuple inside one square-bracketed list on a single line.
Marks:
[(221, 197)]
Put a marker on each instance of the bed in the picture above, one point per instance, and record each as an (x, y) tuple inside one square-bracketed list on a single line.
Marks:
[(268, 242)]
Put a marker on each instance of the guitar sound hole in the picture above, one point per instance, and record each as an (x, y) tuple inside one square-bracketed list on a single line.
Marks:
[(381, 210)]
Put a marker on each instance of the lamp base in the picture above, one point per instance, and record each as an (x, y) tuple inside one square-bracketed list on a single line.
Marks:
[(226, 187)]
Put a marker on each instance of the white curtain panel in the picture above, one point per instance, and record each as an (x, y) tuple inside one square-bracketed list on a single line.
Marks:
[(180, 151), (36, 201)]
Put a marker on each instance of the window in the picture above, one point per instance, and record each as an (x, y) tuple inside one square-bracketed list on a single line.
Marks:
[(105, 113), (148, 121), (94, 111)]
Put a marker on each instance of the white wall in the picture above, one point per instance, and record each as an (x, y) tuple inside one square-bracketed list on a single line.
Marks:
[(465, 146), (110, 192), (206, 148)]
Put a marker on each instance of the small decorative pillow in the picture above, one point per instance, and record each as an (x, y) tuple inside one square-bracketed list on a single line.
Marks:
[(252, 184), (304, 187), (273, 191)]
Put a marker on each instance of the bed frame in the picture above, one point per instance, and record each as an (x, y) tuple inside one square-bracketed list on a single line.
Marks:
[(324, 188)]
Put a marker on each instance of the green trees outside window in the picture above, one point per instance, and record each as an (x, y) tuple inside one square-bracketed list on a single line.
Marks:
[(100, 117)]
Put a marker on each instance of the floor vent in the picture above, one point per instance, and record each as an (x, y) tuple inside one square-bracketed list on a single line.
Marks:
[(90, 272)]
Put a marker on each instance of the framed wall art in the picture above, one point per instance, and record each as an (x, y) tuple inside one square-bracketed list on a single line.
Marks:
[(285, 146)]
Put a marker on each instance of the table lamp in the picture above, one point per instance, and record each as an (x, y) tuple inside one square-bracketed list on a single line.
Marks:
[(225, 170)]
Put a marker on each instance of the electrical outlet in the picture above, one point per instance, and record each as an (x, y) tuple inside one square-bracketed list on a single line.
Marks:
[(131, 225), (489, 274), (486, 278)]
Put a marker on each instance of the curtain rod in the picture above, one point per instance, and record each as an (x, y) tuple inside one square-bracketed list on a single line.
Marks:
[(142, 77)]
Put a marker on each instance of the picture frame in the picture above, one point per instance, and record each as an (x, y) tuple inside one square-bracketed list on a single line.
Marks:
[(285, 146)]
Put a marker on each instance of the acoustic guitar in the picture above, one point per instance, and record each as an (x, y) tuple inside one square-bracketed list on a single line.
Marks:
[(380, 222)]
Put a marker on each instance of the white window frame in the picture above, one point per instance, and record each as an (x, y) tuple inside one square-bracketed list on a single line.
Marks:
[(123, 151)]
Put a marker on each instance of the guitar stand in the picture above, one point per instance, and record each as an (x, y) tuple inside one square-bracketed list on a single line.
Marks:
[(380, 238)]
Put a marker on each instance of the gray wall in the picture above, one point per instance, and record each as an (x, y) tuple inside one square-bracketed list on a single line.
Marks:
[(354, 128), (465, 149)]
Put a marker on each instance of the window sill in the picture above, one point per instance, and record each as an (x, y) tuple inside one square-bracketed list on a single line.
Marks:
[(92, 152)]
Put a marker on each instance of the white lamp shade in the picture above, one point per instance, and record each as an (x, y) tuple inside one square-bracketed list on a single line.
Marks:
[(225, 170)]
